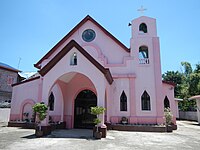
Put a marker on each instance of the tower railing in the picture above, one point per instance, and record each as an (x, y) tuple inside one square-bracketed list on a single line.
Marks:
[(144, 61)]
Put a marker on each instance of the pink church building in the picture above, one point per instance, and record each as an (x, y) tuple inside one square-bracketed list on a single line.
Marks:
[(90, 67)]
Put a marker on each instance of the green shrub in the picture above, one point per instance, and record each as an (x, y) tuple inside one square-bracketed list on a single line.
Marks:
[(41, 110), (97, 110), (168, 116)]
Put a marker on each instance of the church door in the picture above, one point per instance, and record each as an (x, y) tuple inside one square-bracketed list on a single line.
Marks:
[(82, 116)]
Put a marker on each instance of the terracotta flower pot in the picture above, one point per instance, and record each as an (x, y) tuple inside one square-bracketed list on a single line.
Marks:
[(38, 133), (169, 128)]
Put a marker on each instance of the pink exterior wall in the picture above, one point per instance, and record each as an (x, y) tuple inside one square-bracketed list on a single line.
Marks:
[(158, 79), (147, 76), (151, 24), (23, 94), (27, 108), (57, 113), (168, 90), (120, 85)]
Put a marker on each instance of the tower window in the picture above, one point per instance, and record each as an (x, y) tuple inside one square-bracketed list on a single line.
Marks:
[(51, 102), (145, 99), (123, 102), (143, 55), (143, 28), (166, 102), (74, 59)]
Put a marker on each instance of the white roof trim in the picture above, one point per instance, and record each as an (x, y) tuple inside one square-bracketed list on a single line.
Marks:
[(178, 99)]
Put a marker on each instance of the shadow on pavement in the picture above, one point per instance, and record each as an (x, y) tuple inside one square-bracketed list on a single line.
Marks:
[(30, 136), (195, 124), (72, 133)]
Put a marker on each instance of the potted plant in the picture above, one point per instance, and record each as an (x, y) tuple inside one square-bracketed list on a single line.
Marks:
[(124, 120), (41, 112), (97, 111), (168, 119)]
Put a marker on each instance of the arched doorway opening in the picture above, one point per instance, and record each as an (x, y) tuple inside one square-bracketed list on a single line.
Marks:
[(82, 116)]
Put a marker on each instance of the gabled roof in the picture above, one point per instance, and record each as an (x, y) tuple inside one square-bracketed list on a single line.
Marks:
[(8, 67), (169, 82), (65, 50), (73, 31)]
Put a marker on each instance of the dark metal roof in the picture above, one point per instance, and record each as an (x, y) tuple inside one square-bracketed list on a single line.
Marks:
[(8, 67)]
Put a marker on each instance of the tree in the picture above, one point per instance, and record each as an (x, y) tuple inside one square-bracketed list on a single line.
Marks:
[(175, 77), (187, 84), (187, 68), (194, 86), (197, 69)]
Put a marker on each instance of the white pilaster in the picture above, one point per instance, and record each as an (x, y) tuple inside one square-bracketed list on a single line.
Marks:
[(101, 88)]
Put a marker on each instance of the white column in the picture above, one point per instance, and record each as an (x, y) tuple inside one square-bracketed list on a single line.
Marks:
[(62, 112), (101, 100), (108, 101), (45, 96), (62, 100)]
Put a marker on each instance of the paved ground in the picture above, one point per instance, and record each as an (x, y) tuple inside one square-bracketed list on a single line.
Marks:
[(186, 137), (5, 114)]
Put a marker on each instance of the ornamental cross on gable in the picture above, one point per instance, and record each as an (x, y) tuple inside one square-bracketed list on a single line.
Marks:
[(141, 9)]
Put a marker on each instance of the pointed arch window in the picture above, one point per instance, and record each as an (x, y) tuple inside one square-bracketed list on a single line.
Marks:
[(51, 102), (143, 28), (74, 59), (166, 102), (143, 55), (145, 99), (123, 102)]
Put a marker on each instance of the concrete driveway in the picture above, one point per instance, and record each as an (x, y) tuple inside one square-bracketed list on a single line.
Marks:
[(186, 137)]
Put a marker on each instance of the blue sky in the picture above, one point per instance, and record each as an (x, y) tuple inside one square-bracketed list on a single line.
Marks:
[(30, 28)]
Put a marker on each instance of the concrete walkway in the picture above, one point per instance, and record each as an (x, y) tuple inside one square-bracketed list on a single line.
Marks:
[(186, 137), (4, 114)]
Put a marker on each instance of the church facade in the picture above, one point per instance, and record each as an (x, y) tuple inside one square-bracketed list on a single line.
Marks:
[(90, 67)]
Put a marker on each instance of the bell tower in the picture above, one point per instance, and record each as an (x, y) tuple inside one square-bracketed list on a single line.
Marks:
[(145, 50)]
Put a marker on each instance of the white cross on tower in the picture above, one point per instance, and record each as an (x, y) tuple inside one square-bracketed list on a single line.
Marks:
[(142, 10)]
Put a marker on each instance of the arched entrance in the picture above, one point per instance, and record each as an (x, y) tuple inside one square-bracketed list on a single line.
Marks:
[(82, 116)]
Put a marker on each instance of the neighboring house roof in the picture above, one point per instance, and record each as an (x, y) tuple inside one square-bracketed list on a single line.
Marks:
[(73, 31), (8, 67), (197, 97), (65, 50)]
